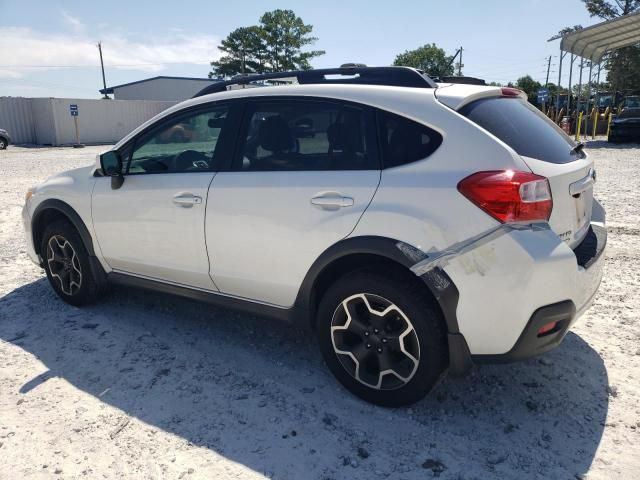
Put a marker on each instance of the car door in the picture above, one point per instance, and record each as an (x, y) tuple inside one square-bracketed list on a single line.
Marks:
[(153, 225), (303, 174)]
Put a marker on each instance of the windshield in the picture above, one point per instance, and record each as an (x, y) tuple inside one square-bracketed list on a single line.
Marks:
[(632, 102), (605, 101), (524, 128)]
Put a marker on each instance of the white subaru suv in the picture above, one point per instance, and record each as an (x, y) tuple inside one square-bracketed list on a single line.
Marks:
[(414, 227)]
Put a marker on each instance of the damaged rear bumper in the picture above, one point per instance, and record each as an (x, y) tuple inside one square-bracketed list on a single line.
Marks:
[(562, 282)]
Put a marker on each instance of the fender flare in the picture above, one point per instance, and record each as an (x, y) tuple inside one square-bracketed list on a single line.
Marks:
[(68, 211), (437, 280)]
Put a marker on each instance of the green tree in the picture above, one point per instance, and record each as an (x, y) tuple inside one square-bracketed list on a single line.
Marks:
[(529, 86), (285, 34), (244, 52), (274, 45), (430, 58), (608, 10)]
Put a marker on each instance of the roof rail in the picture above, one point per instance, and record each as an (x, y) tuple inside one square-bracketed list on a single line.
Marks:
[(392, 76)]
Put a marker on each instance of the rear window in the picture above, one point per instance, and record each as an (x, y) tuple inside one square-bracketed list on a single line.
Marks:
[(524, 128), (404, 141)]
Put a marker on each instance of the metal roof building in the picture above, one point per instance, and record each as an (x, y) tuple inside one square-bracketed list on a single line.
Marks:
[(162, 88), (597, 40), (592, 44)]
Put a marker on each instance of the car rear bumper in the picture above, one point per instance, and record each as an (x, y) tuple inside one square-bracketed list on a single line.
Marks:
[(511, 286), (590, 258), (589, 255), (531, 342)]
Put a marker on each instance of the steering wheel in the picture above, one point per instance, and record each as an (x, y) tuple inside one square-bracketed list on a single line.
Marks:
[(191, 159)]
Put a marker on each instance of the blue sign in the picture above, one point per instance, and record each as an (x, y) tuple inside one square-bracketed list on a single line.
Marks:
[(543, 95), (73, 110)]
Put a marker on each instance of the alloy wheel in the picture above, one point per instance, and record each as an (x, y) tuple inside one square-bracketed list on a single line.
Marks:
[(64, 264), (375, 341)]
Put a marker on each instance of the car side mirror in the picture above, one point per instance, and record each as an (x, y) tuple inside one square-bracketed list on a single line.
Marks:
[(111, 164)]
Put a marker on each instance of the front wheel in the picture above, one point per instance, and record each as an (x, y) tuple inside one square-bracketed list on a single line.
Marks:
[(383, 337), (3, 143), (66, 263)]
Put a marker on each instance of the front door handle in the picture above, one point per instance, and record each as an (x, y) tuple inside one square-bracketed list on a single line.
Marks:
[(186, 199), (332, 201)]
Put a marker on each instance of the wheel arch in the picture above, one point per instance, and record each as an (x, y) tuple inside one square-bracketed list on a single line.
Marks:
[(364, 251), (348, 255), (51, 210)]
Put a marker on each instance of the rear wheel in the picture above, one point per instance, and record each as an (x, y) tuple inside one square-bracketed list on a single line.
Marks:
[(383, 337), (66, 263), (3, 143)]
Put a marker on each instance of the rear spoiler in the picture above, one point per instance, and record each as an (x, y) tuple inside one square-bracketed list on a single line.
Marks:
[(456, 96)]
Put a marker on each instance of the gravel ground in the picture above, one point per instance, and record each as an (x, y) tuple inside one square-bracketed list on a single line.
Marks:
[(147, 386)]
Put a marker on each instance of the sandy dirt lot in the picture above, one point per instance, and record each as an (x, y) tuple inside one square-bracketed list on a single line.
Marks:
[(147, 386)]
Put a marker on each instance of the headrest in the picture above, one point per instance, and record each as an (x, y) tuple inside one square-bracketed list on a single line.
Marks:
[(274, 134), (216, 122)]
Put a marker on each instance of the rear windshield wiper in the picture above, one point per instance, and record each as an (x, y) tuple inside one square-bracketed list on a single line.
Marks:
[(578, 148)]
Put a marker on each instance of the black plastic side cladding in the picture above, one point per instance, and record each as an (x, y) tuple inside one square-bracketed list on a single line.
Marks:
[(67, 211), (447, 295)]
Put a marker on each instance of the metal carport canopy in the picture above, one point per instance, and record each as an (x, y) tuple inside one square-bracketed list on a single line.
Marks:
[(595, 41)]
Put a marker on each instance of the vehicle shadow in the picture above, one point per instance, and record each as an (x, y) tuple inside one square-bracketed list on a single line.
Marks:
[(256, 392)]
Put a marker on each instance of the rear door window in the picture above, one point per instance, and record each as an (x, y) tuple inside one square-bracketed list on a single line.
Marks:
[(307, 135), (523, 127)]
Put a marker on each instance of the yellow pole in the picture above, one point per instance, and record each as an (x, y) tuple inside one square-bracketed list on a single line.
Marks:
[(595, 123), (609, 123), (578, 127)]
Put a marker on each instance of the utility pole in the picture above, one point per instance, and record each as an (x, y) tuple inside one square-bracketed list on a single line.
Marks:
[(546, 83), (460, 64), (104, 82)]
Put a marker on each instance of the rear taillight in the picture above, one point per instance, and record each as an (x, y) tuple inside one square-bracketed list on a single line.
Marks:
[(509, 196)]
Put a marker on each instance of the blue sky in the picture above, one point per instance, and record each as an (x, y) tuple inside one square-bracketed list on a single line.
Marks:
[(48, 47)]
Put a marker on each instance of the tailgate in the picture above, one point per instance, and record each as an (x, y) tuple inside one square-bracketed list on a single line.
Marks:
[(572, 192)]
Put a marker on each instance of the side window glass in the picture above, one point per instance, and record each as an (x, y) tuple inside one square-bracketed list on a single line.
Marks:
[(187, 144), (306, 135), (404, 141)]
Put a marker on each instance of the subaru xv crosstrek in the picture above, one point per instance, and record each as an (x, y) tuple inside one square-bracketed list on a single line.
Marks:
[(415, 227)]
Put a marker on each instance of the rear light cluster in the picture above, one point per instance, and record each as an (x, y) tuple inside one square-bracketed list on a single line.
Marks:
[(509, 196)]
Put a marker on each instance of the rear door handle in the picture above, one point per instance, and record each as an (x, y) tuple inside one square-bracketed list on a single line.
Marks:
[(332, 201), (186, 199)]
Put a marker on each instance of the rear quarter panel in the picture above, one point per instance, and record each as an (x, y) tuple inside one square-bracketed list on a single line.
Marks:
[(502, 282)]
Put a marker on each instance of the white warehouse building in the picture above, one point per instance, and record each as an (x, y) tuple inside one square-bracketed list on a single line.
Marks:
[(164, 89)]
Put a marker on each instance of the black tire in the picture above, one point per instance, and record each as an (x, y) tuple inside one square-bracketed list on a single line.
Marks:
[(417, 306), (70, 261), (3, 143)]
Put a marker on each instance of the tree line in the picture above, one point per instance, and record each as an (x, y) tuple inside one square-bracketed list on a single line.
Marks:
[(280, 40)]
